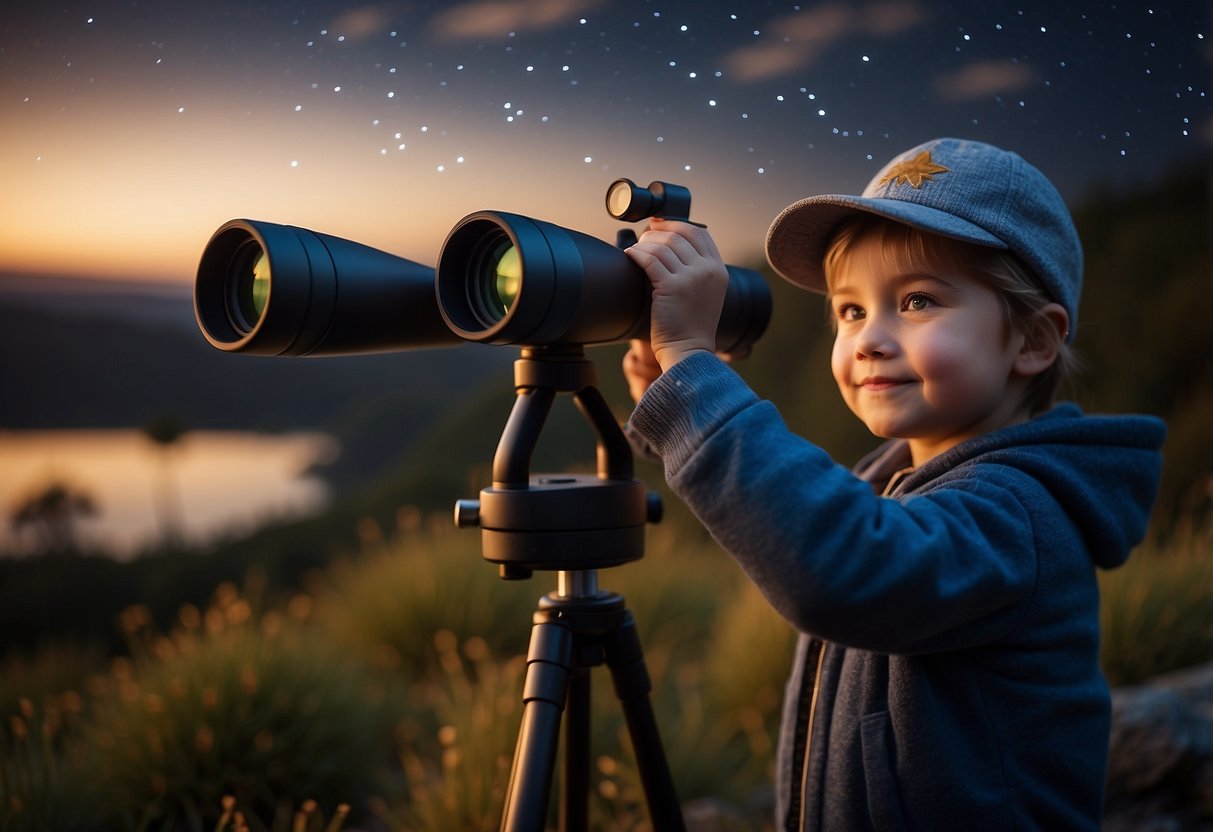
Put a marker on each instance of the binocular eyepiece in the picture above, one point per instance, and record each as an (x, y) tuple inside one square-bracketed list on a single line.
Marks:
[(501, 278)]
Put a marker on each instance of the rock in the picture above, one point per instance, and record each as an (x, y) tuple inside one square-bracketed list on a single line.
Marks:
[(1160, 769)]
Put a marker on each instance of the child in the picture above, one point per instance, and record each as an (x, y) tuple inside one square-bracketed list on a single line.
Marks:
[(947, 673)]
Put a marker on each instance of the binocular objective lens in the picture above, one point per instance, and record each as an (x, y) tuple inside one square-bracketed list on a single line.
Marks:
[(500, 280), (248, 286)]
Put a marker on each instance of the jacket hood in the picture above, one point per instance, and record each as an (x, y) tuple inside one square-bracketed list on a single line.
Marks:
[(1102, 470)]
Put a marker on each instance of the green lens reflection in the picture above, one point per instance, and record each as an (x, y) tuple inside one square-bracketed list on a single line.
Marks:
[(498, 281), (261, 284), (249, 286), (509, 279)]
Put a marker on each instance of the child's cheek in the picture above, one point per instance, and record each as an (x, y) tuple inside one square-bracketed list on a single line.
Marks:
[(840, 362), (949, 368)]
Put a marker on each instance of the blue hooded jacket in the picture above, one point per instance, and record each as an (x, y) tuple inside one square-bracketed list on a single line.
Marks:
[(947, 675)]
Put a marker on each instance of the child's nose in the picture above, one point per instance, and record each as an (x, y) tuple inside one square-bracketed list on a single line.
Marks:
[(875, 340)]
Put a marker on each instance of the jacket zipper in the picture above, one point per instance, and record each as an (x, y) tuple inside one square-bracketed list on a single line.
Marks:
[(808, 740)]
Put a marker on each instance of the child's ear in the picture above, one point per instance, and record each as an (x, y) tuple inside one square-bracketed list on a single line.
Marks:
[(1043, 341)]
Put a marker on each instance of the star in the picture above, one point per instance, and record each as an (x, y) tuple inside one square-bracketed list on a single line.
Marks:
[(915, 171)]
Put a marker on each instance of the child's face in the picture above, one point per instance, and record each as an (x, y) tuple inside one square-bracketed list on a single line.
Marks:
[(923, 355)]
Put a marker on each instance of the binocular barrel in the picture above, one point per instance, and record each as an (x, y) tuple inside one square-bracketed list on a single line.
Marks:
[(502, 278), (509, 279), (271, 289)]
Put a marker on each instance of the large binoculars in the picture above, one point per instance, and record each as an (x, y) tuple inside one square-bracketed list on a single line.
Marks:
[(501, 278)]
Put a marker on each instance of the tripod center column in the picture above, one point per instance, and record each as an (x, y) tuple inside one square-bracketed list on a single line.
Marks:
[(579, 583)]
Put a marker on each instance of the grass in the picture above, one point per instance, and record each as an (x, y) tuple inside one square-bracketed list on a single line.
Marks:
[(391, 690), (1157, 609), (265, 710), (43, 782)]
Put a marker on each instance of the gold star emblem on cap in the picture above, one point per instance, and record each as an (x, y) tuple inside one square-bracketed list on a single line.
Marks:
[(914, 171)]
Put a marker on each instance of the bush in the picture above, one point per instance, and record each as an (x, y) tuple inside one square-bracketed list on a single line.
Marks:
[(456, 746), (391, 602), (748, 667), (1157, 610), (265, 711), (43, 782)]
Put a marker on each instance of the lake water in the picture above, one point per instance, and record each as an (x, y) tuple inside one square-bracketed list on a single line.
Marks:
[(217, 483)]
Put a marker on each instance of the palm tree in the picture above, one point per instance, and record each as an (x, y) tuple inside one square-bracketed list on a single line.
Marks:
[(165, 432)]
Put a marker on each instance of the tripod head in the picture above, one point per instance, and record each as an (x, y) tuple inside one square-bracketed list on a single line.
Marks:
[(568, 523)]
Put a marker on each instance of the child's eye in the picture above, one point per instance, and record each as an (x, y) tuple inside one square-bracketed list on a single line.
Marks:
[(849, 312), (917, 302)]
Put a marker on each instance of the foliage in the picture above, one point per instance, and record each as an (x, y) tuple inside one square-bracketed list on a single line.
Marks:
[(266, 711), (395, 689), (456, 744), (1149, 257), (391, 601), (52, 681), (747, 669), (44, 709), (1157, 610), (43, 779), (51, 513)]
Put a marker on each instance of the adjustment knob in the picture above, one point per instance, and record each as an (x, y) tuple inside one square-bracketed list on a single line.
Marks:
[(467, 513)]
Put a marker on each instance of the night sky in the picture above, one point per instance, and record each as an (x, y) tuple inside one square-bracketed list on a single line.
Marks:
[(130, 130)]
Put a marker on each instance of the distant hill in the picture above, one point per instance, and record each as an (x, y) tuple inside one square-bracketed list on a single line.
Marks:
[(91, 358), (78, 354), (145, 301)]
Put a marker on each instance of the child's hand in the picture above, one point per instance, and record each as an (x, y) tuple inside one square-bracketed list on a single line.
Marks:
[(689, 282), (640, 368)]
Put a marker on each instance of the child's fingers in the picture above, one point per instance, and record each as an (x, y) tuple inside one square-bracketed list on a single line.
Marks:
[(659, 262), (668, 258), (673, 250), (640, 358), (697, 236), (640, 368)]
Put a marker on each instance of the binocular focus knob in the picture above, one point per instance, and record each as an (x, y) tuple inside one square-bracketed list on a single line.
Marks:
[(467, 513)]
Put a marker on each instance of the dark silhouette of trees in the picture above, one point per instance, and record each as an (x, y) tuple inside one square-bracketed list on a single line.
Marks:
[(50, 516)]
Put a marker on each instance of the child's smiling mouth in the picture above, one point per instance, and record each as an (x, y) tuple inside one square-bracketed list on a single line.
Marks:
[(877, 384)]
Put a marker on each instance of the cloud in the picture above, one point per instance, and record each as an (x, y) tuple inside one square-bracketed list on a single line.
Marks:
[(360, 24), (498, 18), (891, 18), (797, 41), (983, 79)]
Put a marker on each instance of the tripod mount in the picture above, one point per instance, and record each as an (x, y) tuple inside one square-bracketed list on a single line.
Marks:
[(559, 522), (573, 525)]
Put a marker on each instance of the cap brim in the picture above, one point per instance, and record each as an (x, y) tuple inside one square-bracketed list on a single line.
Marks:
[(799, 237)]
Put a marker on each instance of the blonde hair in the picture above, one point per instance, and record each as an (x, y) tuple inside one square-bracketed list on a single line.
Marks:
[(1023, 297)]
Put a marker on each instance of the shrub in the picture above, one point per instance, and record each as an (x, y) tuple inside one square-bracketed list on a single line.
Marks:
[(391, 602), (1157, 610), (43, 712), (265, 711), (456, 747), (747, 667), (43, 784), (676, 591)]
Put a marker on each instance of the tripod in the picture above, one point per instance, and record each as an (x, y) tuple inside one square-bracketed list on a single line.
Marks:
[(573, 525)]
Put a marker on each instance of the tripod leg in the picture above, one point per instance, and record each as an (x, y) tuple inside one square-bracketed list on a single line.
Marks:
[(549, 660), (632, 685), (575, 798)]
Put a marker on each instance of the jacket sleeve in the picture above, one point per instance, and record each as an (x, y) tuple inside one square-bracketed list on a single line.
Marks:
[(942, 570)]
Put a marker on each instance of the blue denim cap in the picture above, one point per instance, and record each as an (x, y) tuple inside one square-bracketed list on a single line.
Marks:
[(961, 189)]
